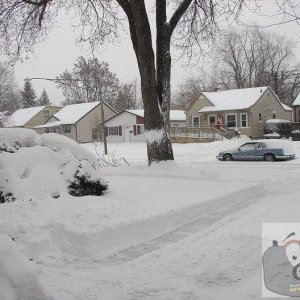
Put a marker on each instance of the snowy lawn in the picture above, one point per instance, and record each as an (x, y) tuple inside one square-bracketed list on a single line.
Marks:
[(188, 229)]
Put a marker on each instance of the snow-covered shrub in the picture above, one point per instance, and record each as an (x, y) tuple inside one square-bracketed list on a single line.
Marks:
[(6, 197), (84, 185), (4, 147), (34, 166)]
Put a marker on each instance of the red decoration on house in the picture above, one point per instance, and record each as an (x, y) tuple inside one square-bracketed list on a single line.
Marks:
[(219, 121)]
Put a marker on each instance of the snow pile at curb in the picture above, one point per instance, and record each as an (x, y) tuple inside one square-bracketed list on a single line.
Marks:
[(36, 166), (18, 275)]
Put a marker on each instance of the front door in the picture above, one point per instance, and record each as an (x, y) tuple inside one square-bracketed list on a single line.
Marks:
[(127, 133)]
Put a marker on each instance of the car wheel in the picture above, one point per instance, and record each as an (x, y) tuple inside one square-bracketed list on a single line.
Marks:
[(269, 157), (227, 157)]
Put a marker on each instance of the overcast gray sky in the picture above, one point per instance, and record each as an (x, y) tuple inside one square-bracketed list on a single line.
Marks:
[(59, 52)]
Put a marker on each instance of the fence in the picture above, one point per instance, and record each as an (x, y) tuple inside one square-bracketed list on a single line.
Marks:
[(195, 134)]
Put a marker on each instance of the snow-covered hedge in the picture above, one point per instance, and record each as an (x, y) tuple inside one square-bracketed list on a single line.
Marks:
[(47, 165)]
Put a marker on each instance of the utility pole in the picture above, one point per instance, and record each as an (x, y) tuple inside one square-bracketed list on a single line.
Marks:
[(103, 124)]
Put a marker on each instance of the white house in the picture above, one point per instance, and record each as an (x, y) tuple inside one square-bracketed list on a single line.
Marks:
[(128, 125)]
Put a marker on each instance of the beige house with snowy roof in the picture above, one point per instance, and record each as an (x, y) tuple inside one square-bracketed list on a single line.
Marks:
[(245, 109), (31, 117), (128, 125), (80, 122)]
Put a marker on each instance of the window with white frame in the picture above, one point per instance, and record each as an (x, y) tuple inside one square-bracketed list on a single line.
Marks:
[(259, 117), (274, 114), (231, 120), (113, 130), (244, 119), (195, 121), (67, 128)]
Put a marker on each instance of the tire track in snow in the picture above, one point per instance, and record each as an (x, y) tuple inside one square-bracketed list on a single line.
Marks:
[(200, 216)]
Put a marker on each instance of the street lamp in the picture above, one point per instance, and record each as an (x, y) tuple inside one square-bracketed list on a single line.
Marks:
[(100, 99)]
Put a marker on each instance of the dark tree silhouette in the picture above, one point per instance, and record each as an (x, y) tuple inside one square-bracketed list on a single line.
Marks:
[(28, 96), (44, 99)]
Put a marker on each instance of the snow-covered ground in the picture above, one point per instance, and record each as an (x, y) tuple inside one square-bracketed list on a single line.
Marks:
[(188, 229)]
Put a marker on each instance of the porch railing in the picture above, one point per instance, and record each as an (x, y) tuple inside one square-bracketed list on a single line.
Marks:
[(195, 134)]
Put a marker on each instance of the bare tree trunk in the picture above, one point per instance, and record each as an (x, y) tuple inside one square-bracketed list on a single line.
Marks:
[(155, 89)]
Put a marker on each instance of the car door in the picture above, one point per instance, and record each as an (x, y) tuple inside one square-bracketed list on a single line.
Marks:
[(246, 152)]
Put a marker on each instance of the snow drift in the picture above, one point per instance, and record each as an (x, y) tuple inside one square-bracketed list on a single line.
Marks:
[(18, 275), (34, 166)]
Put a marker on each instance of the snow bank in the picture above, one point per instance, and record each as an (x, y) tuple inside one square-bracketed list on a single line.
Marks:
[(18, 275), (37, 166), (20, 137), (16, 137)]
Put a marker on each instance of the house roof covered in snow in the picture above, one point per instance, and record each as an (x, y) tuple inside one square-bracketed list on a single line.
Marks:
[(20, 117), (235, 99), (71, 114), (285, 107), (297, 100), (175, 115), (138, 112)]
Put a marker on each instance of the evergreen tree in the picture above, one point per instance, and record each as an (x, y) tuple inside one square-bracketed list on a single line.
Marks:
[(28, 96), (44, 99)]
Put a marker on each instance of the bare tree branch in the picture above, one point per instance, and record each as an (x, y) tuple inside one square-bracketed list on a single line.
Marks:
[(182, 8)]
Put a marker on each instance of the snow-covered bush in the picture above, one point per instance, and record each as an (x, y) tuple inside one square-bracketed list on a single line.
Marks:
[(9, 148), (43, 166), (84, 185), (6, 197)]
